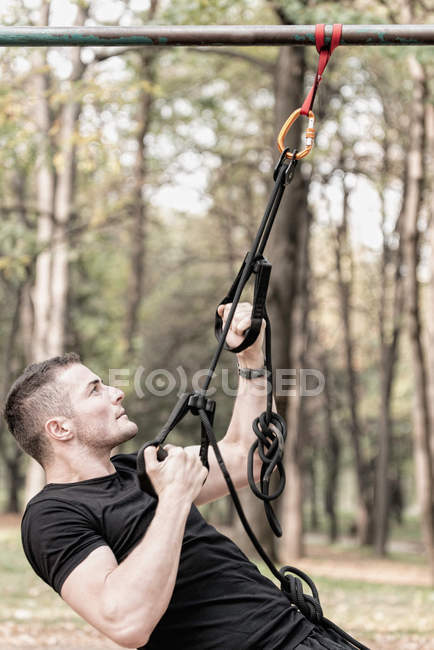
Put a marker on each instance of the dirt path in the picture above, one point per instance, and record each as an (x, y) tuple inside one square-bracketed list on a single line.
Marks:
[(352, 565), (59, 636)]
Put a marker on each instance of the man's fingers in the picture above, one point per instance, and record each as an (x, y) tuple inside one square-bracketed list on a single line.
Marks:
[(150, 455), (242, 325), (242, 309), (242, 313)]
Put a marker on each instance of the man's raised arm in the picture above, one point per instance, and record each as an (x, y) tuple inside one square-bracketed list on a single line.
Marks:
[(250, 403)]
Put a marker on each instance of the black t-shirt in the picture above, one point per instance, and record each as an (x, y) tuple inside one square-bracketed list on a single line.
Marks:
[(220, 601)]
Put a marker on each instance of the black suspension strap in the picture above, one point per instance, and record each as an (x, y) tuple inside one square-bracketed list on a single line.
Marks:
[(269, 427), (291, 585), (187, 402)]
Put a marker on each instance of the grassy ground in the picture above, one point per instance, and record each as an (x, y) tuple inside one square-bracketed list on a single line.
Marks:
[(387, 604)]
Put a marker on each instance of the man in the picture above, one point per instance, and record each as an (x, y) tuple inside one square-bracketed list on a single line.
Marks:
[(148, 573)]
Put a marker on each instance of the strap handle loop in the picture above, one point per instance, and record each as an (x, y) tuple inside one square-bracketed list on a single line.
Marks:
[(262, 269), (193, 402)]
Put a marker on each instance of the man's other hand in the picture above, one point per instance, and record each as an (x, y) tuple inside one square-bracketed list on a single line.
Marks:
[(180, 474)]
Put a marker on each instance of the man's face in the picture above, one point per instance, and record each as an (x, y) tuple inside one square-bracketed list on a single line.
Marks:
[(99, 419)]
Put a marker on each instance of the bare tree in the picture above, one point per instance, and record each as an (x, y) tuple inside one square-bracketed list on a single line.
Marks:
[(12, 454), (138, 223), (55, 193), (389, 340), (429, 188), (288, 303), (45, 184), (64, 196), (332, 450), (422, 423), (345, 274), (416, 174)]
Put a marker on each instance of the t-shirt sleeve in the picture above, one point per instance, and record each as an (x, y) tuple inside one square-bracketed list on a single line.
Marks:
[(57, 536)]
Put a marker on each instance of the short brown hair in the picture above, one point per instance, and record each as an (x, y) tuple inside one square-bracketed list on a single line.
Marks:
[(32, 399)]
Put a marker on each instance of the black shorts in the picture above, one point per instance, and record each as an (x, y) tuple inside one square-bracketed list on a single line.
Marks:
[(322, 639)]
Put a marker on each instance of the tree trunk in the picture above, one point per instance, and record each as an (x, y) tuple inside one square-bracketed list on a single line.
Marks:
[(139, 207), (288, 300), (429, 167), (291, 503), (14, 480), (389, 351), (312, 470), (422, 412), (332, 454), (55, 196), (11, 452), (64, 197), (45, 204), (344, 266), (45, 182), (254, 511)]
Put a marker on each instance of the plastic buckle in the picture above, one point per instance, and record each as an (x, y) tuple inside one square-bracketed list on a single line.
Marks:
[(290, 169), (260, 261), (290, 163), (283, 159), (198, 401)]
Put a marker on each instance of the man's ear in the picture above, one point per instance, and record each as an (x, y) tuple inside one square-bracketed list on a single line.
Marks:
[(59, 428)]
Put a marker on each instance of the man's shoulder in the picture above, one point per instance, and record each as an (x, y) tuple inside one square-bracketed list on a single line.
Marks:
[(45, 498), (49, 502), (55, 496)]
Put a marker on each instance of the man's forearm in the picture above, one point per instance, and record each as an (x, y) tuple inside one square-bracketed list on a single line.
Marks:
[(139, 589), (250, 402)]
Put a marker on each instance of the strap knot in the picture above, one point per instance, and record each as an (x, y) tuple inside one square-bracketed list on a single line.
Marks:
[(292, 587)]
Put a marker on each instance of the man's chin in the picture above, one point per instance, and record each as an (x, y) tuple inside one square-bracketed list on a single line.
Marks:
[(129, 431)]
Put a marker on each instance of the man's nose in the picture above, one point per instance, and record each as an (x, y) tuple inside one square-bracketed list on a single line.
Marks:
[(117, 395)]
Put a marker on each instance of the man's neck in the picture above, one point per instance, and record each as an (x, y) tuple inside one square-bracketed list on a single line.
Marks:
[(72, 470)]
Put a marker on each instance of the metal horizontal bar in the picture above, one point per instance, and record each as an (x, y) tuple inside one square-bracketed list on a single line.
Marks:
[(216, 35)]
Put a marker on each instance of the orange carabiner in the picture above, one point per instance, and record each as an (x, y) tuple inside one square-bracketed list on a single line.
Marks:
[(310, 134)]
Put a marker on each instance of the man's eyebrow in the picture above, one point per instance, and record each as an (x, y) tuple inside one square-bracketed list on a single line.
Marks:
[(94, 382)]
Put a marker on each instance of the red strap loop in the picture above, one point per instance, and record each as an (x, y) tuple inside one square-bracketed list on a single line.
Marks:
[(324, 57)]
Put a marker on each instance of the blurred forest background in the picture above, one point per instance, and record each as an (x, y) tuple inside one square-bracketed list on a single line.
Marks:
[(132, 181)]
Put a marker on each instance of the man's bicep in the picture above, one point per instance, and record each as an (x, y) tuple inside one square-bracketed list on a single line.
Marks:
[(84, 589)]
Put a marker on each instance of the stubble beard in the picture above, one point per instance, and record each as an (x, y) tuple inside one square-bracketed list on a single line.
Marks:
[(99, 440)]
